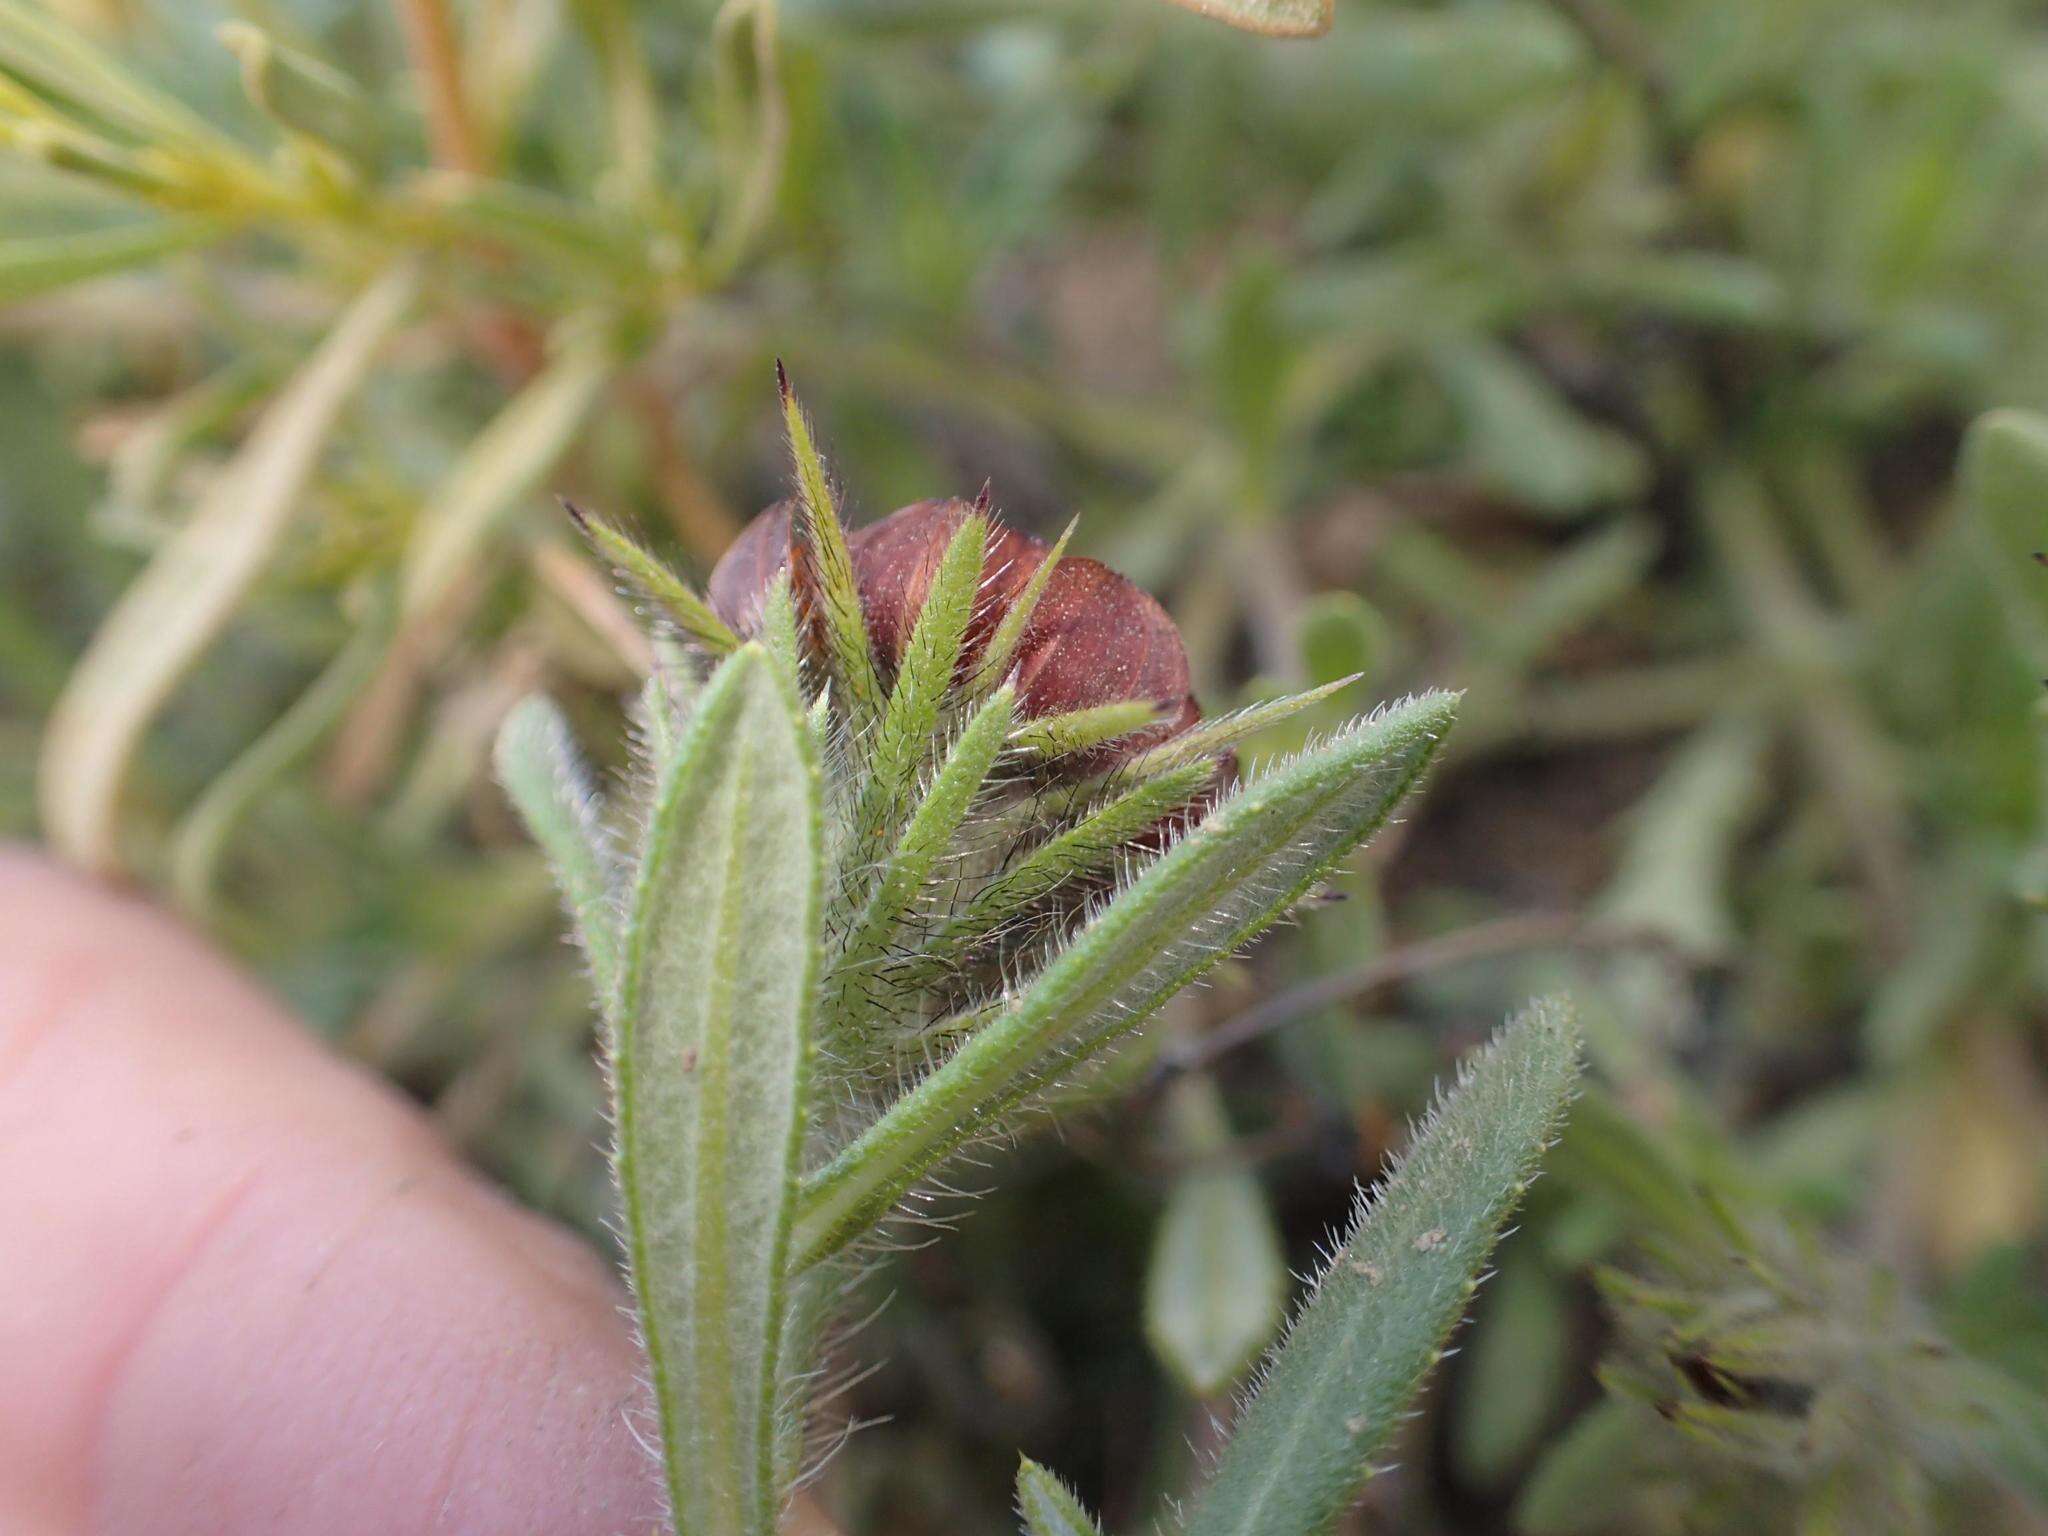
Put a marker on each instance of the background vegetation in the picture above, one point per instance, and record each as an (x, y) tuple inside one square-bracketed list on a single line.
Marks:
[(1609, 359)]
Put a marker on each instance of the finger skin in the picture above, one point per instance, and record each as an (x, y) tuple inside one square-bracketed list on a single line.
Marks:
[(244, 1289)]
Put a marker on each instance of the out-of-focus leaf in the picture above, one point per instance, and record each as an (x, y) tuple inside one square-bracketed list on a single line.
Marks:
[(1672, 878), (307, 97), (1522, 439), (1514, 1369), (2005, 475), (1341, 636), (1217, 1284), (177, 606), (505, 462), (34, 264), (1580, 1486), (1273, 18)]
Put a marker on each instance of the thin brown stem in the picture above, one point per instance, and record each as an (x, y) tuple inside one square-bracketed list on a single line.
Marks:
[(435, 50), (1529, 930)]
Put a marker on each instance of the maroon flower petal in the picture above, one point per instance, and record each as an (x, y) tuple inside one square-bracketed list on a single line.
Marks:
[(744, 573)]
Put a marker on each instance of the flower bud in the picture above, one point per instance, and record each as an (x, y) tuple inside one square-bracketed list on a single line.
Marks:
[(1094, 637)]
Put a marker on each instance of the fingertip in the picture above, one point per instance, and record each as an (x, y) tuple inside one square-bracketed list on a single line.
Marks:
[(260, 1294)]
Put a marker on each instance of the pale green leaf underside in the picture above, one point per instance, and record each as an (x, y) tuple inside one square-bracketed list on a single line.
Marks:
[(711, 1046), (1380, 1311), (545, 778), (1256, 853), (1047, 1507)]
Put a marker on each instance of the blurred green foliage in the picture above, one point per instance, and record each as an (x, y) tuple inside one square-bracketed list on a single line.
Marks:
[(1609, 359)]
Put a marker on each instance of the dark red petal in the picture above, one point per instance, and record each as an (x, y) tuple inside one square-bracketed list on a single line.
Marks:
[(746, 570), (1096, 638), (896, 559)]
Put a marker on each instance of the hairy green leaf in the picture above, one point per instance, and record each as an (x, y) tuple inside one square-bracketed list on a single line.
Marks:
[(1257, 853), (1089, 847), (1079, 730), (1046, 1505), (823, 567), (903, 741), (640, 566), (711, 1045), (549, 784), (994, 665), (1382, 1307), (908, 867), (1225, 731)]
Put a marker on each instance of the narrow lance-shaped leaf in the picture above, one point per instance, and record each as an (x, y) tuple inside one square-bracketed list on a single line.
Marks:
[(1256, 854), (1046, 1505), (711, 1045), (903, 741), (678, 602), (164, 622), (908, 867), (549, 784), (1080, 730), (1089, 847), (1214, 736), (995, 661), (1382, 1307), (824, 569)]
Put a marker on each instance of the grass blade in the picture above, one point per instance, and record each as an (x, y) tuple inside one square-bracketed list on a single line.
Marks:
[(709, 1068), (1256, 854), (1381, 1309)]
